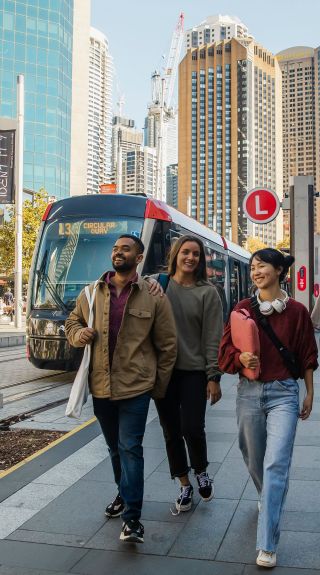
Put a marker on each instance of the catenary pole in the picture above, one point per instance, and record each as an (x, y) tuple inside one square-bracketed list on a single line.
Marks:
[(18, 203)]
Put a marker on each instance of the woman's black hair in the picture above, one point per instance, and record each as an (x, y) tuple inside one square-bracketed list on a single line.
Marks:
[(276, 258)]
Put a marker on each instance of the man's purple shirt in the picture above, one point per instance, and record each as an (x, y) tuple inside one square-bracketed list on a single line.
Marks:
[(117, 305)]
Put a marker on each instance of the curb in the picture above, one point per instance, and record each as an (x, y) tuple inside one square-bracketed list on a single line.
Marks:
[(11, 340), (24, 472)]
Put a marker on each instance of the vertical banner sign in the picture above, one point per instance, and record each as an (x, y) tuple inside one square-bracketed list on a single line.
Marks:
[(7, 139)]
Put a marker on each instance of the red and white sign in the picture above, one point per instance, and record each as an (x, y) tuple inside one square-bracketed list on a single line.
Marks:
[(261, 206), (316, 290), (302, 278)]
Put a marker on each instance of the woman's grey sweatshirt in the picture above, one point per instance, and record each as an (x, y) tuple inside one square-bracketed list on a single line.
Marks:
[(198, 315)]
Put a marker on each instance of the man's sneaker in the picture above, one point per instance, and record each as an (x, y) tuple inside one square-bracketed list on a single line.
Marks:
[(266, 559), (184, 501), (132, 531), (205, 486), (115, 508)]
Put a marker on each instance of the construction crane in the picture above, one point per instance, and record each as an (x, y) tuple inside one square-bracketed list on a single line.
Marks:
[(171, 69), (162, 93)]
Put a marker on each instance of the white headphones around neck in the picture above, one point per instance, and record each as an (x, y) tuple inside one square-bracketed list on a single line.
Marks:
[(278, 305)]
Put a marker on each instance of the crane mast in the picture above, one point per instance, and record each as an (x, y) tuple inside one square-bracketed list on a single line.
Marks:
[(173, 61), (166, 110)]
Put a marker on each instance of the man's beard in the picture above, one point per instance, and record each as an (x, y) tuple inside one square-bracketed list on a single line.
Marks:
[(123, 267)]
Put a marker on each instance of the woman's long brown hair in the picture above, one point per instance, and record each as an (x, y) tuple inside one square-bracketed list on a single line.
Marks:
[(201, 270)]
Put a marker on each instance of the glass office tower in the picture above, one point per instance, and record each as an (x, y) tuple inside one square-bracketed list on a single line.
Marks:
[(36, 40)]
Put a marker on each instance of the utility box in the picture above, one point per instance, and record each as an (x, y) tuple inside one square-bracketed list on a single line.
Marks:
[(302, 238)]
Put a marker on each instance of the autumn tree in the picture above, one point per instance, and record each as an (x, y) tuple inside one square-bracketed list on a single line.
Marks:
[(32, 214), (252, 244), (284, 244)]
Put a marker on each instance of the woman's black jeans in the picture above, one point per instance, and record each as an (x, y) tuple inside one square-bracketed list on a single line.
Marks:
[(182, 418)]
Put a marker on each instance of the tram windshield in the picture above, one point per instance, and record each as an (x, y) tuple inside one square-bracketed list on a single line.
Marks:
[(73, 253)]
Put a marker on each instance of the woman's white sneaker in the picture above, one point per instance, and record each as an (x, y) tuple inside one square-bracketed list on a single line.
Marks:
[(184, 501), (266, 559)]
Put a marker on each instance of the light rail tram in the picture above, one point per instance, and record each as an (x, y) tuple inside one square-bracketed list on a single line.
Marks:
[(74, 247)]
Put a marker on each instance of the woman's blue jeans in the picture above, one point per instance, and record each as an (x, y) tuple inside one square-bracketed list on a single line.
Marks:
[(267, 419), (123, 425)]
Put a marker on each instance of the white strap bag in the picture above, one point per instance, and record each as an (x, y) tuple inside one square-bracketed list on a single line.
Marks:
[(80, 387)]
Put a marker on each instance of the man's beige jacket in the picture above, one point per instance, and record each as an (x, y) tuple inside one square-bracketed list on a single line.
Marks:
[(146, 346)]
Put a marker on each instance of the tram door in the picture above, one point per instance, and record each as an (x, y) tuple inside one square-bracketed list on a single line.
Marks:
[(235, 282)]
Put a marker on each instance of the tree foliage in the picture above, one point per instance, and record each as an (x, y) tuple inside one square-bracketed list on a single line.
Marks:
[(253, 244), (32, 214), (284, 244)]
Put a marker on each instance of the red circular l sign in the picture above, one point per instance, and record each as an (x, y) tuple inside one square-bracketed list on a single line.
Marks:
[(261, 206)]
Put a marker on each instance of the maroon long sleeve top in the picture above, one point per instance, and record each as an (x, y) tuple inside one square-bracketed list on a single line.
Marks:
[(117, 305), (294, 329)]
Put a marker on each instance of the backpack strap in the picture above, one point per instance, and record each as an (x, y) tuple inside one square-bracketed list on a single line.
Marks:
[(163, 280)]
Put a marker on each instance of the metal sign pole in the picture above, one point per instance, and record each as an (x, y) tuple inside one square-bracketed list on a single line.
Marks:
[(18, 205), (302, 237)]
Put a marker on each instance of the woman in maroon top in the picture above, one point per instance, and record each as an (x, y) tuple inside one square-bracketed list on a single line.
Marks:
[(268, 408)]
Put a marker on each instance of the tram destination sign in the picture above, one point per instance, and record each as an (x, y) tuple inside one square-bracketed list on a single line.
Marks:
[(261, 205), (94, 228), (7, 143)]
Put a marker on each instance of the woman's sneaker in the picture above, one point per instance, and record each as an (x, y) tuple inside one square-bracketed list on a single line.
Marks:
[(116, 508), (266, 559), (132, 531), (206, 488), (184, 501)]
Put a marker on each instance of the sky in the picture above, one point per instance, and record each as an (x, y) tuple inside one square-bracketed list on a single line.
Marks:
[(139, 34)]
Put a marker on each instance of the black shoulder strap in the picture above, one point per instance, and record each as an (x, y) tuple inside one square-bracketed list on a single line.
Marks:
[(163, 280), (287, 356)]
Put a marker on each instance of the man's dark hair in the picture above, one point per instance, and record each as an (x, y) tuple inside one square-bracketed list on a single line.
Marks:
[(138, 242)]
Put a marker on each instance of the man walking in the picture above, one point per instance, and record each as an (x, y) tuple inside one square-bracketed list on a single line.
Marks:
[(8, 297), (133, 353)]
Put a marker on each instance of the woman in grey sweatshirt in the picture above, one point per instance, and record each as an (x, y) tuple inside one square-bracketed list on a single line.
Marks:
[(198, 314)]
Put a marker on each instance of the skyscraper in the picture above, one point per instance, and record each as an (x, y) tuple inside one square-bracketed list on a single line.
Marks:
[(139, 171), (172, 185), (168, 147), (215, 29), (100, 112), (37, 40), (301, 127), (125, 138), (80, 97), (229, 134)]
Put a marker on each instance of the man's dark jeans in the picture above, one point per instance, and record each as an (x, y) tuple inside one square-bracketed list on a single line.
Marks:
[(123, 424)]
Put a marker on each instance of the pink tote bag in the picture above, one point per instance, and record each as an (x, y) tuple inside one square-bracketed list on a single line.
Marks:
[(245, 337)]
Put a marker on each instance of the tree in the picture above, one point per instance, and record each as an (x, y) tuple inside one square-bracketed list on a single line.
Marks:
[(32, 214), (252, 244), (284, 244)]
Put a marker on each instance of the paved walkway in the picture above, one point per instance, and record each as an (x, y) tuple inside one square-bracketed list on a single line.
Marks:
[(52, 511), (10, 335)]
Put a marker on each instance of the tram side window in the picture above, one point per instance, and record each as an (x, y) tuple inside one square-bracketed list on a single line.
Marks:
[(156, 257), (216, 273), (235, 283), (245, 280)]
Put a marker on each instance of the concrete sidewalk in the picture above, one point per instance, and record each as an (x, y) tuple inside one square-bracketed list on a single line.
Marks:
[(11, 336), (52, 511)]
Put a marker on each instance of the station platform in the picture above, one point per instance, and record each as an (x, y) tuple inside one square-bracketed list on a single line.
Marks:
[(11, 336), (52, 507)]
